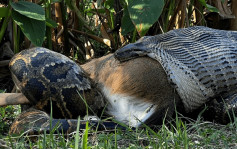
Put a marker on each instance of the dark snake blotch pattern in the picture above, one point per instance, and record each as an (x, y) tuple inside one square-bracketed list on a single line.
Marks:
[(43, 75)]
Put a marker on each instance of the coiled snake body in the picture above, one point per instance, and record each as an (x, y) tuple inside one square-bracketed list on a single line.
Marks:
[(43, 76)]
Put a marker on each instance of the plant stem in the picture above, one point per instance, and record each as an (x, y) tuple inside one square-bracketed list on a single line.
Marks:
[(5, 23), (15, 38), (65, 30), (78, 13), (134, 35), (48, 29)]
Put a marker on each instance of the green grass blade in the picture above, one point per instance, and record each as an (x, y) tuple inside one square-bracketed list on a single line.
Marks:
[(44, 140), (77, 134), (85, 136)]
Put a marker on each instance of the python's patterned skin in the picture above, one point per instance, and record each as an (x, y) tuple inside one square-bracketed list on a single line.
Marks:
[(33, 121), (43, 75), (201, 62)]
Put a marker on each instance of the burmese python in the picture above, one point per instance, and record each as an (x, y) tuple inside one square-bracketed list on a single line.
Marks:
[(200, 62)]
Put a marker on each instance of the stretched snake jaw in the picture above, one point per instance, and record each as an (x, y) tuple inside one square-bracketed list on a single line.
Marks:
[(131, 51)]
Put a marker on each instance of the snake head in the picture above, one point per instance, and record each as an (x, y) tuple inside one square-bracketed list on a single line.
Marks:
[(133, 50)]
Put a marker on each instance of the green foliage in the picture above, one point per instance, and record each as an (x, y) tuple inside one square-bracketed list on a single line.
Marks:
[(138, 17), (126, 25), (209, 7), (6, 13), (31, 19), (30, 10), (144, 14), (7, 115), (51, 23), (34, 30), (3, 12)]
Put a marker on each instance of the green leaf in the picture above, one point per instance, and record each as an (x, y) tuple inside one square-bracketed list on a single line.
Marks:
[(109, 4), (203, 2), (33, 29), (126, 24), (30, 10), (144, 13), (3, 12), (209, 7), (212, 8), (51, 23)]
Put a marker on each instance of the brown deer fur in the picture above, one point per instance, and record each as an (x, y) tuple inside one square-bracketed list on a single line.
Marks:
[(142, 78)]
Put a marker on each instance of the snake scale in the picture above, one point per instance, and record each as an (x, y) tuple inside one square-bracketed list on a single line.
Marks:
[(201, 64), (199, 61)]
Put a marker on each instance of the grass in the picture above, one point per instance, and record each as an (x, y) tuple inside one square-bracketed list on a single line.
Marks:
[(181, 132), (177, 134)]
